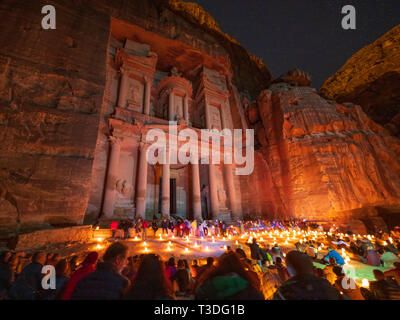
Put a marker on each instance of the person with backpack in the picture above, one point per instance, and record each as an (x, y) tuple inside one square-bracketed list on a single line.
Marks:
[(303, 284)]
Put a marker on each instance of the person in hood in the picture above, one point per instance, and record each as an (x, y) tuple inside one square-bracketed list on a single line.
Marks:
[(230, 279)]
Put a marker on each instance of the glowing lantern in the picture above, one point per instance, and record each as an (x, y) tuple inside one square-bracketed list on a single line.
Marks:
[(99, 239), (186, 250), (146, 250), (365, 283)]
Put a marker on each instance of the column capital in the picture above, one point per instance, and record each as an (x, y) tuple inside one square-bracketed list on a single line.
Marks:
[(143, 146), (114, 140), (147, 79), (123, 70)]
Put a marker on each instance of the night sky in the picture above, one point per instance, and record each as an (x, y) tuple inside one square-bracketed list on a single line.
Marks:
[(303, 33)]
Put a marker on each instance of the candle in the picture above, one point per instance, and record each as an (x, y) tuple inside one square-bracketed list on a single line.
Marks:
[(365, 283)]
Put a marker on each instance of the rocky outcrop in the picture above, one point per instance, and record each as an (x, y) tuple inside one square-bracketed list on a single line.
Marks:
[(326, 160), (371, 78)]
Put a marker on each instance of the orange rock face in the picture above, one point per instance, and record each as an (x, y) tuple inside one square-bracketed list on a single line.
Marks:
[(371, 78), (325, 160)]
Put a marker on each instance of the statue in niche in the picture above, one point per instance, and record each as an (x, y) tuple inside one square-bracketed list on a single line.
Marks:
[(175, 72), (222, 198), (124, 188), (204, 202)]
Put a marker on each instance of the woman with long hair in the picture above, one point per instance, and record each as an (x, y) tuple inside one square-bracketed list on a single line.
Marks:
[(230, 279), (150, 281)]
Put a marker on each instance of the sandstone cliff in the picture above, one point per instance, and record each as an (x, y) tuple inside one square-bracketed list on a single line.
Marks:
[(325, 160), (371, 78)]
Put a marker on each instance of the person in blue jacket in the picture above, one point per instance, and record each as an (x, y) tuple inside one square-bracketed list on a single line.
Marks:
[(335, 255)]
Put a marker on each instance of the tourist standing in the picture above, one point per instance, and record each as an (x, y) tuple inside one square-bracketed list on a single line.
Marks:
[(154, 225), (164, 226), (144, 227)]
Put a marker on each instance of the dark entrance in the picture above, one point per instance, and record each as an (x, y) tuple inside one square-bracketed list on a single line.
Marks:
[(172, 196)]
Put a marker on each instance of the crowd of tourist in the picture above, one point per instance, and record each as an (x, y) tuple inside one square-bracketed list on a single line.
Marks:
[(267, 273)]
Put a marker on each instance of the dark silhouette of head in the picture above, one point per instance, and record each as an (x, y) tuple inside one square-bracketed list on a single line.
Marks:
[(299, 262)]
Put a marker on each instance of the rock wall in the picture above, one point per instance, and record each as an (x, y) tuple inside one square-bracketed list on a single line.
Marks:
[(326, 160), (371, 78)]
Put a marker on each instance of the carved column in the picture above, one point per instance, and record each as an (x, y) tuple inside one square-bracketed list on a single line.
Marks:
[(223, 115), (147, 95), (112, 176), (196, 190), (186, 109), (231, 188), (208, 115), (142, 182), (171, 107), (165, 188), (212, 177), (123, 88)]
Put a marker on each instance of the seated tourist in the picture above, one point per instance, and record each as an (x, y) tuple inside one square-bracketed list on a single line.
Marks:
[(388, 258), (62, 276), (28, 286), (282, 270), (255, 252), (328, 271), (243, 256), (312, 252), (304, 285), (194, 268), (229, 280), (170, 269), (382, 289), (204, 268), (106, 283), (335, 255), (130, 269), (88, 266), (373, 258), (150, 281), (394, 273), (182, 279)]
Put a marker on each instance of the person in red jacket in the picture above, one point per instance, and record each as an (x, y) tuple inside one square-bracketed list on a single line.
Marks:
[(88, 266), (114, 227), (145, 225)]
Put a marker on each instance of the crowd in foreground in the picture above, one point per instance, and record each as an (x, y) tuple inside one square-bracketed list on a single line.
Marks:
[(233, 276)]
